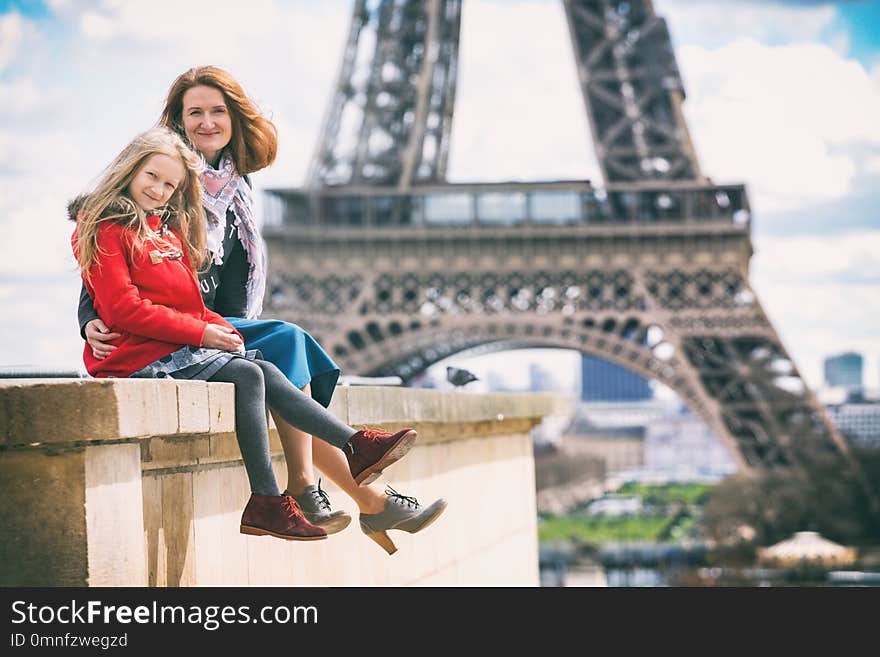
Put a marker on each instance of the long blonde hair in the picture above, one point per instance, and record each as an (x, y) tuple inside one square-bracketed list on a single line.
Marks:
[(254, 142), (110, 201)]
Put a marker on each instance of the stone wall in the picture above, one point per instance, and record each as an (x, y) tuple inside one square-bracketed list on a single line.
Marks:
[(140, 482)]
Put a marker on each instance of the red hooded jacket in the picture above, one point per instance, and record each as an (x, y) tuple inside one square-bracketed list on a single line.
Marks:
[(154, 302)]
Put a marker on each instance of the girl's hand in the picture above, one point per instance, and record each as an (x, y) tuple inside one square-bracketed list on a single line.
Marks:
[(99, 336), (221, 337)]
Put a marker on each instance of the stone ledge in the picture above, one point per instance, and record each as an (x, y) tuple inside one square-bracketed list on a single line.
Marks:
[(65, 410), (139, 500), (37, 412)]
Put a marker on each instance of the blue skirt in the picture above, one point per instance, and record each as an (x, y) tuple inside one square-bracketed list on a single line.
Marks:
[(293, 351)]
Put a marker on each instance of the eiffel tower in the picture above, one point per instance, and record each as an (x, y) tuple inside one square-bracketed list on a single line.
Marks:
[(393, 269)]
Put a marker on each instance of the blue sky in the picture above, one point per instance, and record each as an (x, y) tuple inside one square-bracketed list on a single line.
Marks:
[(29, 8), (783, 96), (862, 21)]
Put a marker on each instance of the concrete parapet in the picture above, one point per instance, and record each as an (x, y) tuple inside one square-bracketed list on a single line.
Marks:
[(140, 483)]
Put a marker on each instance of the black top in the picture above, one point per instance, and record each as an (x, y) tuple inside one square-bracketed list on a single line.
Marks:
[(224, 286)]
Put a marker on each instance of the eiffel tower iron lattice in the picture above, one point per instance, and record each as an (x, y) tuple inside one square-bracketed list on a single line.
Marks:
[(393, 269)]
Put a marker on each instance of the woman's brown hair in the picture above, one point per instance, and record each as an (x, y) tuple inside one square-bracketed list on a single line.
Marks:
[(254, 142)]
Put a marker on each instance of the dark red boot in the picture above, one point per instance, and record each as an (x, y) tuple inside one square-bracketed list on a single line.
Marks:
[(279, 516), (371, 450)]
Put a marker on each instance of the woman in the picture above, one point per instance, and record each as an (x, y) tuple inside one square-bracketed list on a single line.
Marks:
[(209, 108)]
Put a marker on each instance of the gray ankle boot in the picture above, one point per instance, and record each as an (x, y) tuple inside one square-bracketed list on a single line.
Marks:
[(316, 507), (401, 512)]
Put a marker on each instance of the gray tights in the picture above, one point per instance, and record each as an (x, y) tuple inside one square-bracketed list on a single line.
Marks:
[(258, 383)]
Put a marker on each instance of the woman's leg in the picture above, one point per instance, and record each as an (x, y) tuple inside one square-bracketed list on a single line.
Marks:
[(300, 410), (301, 449), (368, 451), (297, 446), (332, 462)]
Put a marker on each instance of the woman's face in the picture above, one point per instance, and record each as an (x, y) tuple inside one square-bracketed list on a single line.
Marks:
[(206, 121)]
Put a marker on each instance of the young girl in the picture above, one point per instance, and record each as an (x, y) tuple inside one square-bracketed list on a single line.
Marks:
[(139, 239)]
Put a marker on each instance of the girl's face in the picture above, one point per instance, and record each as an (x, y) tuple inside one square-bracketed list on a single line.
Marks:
[(206, 121), (156, 181)]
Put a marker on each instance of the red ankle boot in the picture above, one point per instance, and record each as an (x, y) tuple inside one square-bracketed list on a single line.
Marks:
[(371, 450), (279, 516)]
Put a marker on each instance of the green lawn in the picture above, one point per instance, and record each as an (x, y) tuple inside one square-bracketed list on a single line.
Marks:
[(601, 529), (667, 494), (673, 525)]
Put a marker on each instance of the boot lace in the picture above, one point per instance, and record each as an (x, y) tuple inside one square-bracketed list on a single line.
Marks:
[(370, 433), (321, 498), (401, 499), (292, 506), (375, 433)]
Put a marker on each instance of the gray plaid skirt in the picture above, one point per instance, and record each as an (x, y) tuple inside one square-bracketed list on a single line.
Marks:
[(190, 362)]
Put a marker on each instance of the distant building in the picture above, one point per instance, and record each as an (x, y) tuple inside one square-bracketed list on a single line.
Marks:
[(541, 379), (844, 370), (684, 446), (604, 381), (617, 450), (614, 431), (652, 440), (498, 382), (859, 423), (598, 416)]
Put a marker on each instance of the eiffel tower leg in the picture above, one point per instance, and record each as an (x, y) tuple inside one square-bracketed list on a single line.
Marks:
[(750, 390)]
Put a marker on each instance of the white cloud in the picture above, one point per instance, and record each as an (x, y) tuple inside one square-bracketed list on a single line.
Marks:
[(42, 333), (519, 114), (97, 26), (21, 99), (12, 27), (61, 124), (807, 258), (714, 23), (788, 120), (841, 43), (137, 21), (196, 25), (817, 321), (821, 295)]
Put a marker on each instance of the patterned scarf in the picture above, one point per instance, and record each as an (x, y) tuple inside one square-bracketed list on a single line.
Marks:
[(225, 188)]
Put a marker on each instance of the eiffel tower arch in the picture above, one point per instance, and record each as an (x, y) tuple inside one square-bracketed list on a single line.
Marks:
[(393, 269)]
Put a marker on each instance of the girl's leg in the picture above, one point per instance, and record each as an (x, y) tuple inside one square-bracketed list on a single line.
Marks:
[(267, 511), (251, 429)]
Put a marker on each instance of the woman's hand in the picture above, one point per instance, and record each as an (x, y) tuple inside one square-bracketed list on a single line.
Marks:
[(99, 336), (222, 337)]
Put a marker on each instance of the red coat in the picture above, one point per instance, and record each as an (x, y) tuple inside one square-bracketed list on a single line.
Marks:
[(157, 307)]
